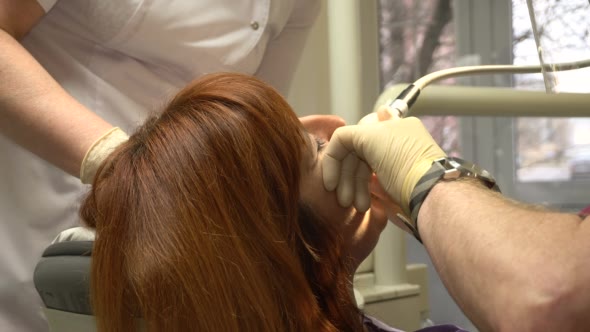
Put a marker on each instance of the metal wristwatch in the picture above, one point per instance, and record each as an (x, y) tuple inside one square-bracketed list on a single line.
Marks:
[(448, 168)]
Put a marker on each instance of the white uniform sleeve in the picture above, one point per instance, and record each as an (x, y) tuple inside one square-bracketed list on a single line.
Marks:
[(284, 52), (47, 4)]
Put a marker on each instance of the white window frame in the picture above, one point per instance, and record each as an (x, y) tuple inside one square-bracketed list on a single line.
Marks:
[(484, 29)]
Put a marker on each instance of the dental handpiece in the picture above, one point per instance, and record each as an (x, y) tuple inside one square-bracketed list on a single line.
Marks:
[(401, 105)]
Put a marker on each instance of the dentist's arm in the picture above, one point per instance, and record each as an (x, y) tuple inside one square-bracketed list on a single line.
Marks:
[(35, 111), (509, 266)]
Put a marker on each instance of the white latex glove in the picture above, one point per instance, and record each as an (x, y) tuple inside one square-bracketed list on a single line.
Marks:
[(356, 192), (399, 151), (98, 152)]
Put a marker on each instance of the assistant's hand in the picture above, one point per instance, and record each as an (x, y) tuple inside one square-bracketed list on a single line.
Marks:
[(98, 152), (399, 151)]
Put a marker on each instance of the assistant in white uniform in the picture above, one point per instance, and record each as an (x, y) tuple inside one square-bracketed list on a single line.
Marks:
[(122, 59)]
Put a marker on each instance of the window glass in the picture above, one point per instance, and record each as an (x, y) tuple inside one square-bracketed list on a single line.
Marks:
[(416, 38), (552, 149)]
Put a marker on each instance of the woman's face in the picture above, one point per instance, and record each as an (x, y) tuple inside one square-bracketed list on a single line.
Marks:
[(360, 231)]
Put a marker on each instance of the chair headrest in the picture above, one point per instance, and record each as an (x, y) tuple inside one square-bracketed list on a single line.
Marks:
[(62, 276)]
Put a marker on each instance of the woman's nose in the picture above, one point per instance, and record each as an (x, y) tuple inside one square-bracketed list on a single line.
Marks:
[(322, 126)]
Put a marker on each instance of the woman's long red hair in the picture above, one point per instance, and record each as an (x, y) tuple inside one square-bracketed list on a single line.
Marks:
[(199, 225)]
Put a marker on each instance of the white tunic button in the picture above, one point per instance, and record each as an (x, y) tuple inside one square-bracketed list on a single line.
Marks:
[(254, 25)]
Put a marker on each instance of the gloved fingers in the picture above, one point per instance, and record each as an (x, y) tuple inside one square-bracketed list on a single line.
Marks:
[(339, 147), (345, 190), (343, 142), (362, 197), (330, 172)]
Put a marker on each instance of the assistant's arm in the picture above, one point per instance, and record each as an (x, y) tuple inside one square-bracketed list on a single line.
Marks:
[(511, 267), (35, 111)]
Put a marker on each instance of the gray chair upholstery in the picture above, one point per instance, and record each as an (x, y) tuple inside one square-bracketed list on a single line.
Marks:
[(62, 279)]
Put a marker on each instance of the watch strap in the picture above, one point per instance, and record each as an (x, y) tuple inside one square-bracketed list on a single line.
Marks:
[(449, 168), (421, 190), (423, 187)]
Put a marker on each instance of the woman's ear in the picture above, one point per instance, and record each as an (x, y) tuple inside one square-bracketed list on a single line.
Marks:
[(322, 126)]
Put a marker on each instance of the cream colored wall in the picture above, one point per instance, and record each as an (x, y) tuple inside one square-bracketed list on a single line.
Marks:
[(339, 74), (310, 90)]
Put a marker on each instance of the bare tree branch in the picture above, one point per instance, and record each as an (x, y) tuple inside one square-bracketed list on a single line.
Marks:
[(441, 17)]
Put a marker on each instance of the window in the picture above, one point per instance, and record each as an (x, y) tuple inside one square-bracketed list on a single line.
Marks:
[(552, 149), (532, 158), (537, 160), (417, 38)]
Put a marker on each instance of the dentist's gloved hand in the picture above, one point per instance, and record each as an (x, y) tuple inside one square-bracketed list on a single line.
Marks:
[(399, 151), (353, 189), (99, 151)]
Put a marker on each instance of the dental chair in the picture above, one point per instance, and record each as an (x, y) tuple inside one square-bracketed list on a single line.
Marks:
[(62, 279)]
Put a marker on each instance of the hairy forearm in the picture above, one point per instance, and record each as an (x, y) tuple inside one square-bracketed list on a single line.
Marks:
[(38, 114), (509, 266)]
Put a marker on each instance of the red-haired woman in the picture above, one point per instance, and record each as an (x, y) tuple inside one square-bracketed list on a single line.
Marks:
[(213, 217)]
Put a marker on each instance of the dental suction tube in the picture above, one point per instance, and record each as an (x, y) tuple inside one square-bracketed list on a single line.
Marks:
[(401, 105)]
